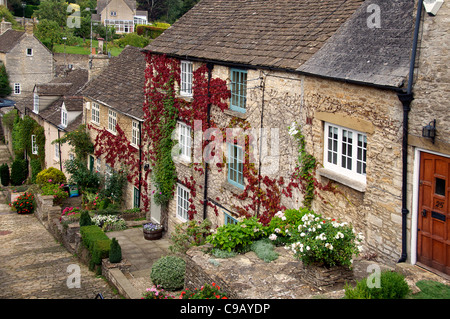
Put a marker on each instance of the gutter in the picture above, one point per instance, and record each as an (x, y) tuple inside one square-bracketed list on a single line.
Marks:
[(406, 98)]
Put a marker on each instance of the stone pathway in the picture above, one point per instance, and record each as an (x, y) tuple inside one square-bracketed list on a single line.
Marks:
[(33, 265)]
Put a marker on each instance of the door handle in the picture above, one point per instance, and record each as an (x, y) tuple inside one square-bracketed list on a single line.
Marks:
[(424, 213)]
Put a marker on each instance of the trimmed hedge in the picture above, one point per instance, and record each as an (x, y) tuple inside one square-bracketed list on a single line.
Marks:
[(97, 243), (19, 172), (4, 174)]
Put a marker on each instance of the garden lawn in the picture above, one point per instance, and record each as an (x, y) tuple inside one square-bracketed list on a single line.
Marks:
[(81, 49)]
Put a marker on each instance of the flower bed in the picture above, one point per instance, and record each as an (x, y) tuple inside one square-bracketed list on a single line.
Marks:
[(24, 204)]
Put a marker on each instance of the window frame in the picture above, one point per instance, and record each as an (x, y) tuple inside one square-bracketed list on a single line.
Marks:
[(36, 103), (64, 117), (34, 146), (186, 78), (57, 151), (17, 88), (95, 113), (31, 52), (231, 159), (136, 197), (112, 121), (184, 216), (228, 219), (135, 134), (239, 92), (185, 141), (340, 149)]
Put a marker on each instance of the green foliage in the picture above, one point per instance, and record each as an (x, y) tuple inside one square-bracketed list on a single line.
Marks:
[(188, 234), (85, 219), (96, 241), (5, 87), (114, 187), (392, 285), (24, 204), (57, 191), (134, 40), (432, 290), (4, 174), (9, 119), (22, 131), (50, 175), (36, 167), (325, 241), (237, 237), (80, 141), (115, 252), (264, 249), (48, 32), (284, 223), (19, 172), (52, 10), (9, 17), (81, 175), (168, 272), (205, 292)]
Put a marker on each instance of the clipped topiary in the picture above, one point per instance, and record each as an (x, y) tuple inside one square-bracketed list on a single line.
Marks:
[(19, 172), (50, 175), (4, 174), (115, 252), (85, 219), (168, 272)]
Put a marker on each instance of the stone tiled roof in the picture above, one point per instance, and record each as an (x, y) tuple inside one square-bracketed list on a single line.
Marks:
[(268, 33), (68, 85), (9, 39), (101, 4), (121, 84), (363, 53), (52, 113)]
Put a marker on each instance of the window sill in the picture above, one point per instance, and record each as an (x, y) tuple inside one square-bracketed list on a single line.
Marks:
[(234, 189), (344, 180), (182, 160), (187, 98), (237, 114), (95, 123)]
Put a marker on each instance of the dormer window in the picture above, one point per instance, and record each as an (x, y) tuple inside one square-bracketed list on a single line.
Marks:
[(63, 116), (36, 103)]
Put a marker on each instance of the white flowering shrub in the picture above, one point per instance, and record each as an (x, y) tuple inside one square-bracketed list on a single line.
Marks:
[(109, 222), (325, 241)]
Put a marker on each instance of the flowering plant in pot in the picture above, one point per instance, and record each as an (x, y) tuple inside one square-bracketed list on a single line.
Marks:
[(152, 231)]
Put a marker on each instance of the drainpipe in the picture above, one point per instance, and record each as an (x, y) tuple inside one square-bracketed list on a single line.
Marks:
[(210, 67), (140, 162), (406, 99)]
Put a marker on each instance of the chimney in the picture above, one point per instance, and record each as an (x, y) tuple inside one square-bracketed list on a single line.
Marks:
[(4, 25), (29, 28)]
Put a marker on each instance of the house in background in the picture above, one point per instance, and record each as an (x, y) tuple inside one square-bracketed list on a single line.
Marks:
[(344, 79), (27, 61), (113, 115), (57, 106), (121, 14)]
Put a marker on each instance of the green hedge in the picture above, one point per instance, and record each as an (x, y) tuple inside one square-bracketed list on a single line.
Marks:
[(96, 242)]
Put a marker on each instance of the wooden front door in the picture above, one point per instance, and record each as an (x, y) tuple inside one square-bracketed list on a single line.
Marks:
[(434, 212)]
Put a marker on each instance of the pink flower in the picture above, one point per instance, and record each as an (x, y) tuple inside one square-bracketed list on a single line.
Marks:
[(50, 180)]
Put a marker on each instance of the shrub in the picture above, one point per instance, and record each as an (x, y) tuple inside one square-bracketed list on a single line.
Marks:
[(325, 241), (283, 224), (19, 172), (36, 168), (57, 191), (96, 241), (4, 174), (134, 40), (50, 175), (109, 222), (264, 249), (392, 286), (188, 234), (205, 292), (237, 237), (85, 219), (168, 272), (24, 204), (115, 251)]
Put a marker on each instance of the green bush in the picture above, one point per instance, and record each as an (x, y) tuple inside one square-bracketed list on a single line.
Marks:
[(35, 165), (19, 172), (134, 40), (188, 234), (85, 219), (115, 252), (4, 174), (97, 243), (57, 191), (50, 175), (264, 249), (168, 272), (392, 286)]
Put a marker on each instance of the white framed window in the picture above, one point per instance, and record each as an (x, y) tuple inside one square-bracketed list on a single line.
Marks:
[(29, 52), (57, 151), (182, 202), (17, 88), (35, 103), (108, 174), (135, 134), (95, 113), (345, 151), (99, 164), (34, 146), (185, 140), (186, 78), (71, 157), (112, 121), (63, 117)]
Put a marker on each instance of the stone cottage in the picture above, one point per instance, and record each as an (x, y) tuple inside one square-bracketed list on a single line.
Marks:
[(27, 60), (341, 71), (113, 116)]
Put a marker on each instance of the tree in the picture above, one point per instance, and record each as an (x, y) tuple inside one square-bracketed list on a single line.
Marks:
[(53, 10), (5, 88), (49, 33)]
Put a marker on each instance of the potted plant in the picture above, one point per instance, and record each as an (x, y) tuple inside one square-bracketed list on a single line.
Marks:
[(152, 231)]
